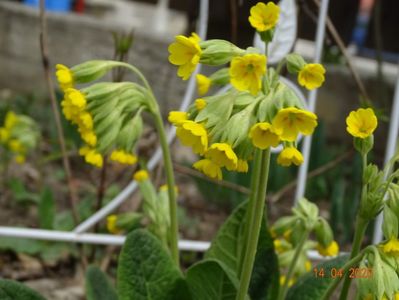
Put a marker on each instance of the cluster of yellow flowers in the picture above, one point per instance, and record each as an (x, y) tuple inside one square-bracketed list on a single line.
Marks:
[(260, 112), (18, 134), (79, 107)]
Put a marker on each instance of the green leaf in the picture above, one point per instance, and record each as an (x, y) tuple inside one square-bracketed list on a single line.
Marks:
[(226, 247), (12, 290), (209, 279), (310, 287), (46, 209), (98, 286), (31, 247), (146, 270)]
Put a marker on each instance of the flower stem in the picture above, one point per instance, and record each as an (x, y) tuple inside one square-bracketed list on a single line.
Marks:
[(291, 268), (171, 187), (251, 205), (259, 208), (360, 229)]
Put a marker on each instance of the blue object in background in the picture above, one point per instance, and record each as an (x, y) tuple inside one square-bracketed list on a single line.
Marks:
[(52, 5)]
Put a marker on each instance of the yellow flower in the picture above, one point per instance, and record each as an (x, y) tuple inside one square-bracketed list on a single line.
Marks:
[(311, 76), (10, 120), (123, 157), (85, 121), (177, 117), (89, 137), (291, 121), (94, 158), (16, 146), (64, 76), (209, 168), (20, 159), (308, 265), (242, 166), (361, 123), (246, 72), (289, 156), (397, 296), (200, 104), (283, 278), (278, 246), (75, 98), (264, 16), (391, 247), (193, 135), (111, 224), (141, 175), (223, 155), (287, 234), (330, 250), (203, 84), (264, 135), (185, 52), (84, 150), (4, 134)]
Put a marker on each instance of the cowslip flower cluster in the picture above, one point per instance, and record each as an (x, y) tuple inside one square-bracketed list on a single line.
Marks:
[(258, 112), (18, 135), (107, 115)]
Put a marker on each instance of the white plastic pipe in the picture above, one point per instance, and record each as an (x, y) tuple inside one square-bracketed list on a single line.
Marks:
[(389, 152), (307, 142), (188, 96), (102, 239)]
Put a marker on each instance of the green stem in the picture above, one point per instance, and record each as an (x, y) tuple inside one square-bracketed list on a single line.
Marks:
[(171, 187), (350, 264), (251, 205), (292, 265), (174, 231), (360, 229), (255, 226)]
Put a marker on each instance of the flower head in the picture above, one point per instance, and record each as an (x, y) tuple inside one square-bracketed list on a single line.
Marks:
[(10, 120), (64, 76), (209, 168), (264, 16), (223, 155), (193, 135), (185, 52), (111, 224), (311, 76), (263, 135), (246, 72), (177, 117), (391, 247), (141, 175), (242, 166), (203, 84), (289, 156), (200, 104), (88, 136), (123, 157), (330, 250), (291, 121), (361, 123), (92, 157)]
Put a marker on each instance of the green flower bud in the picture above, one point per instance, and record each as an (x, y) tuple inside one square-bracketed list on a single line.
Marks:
[(129, 221), (220, 77), (390, 223), (295, 63), (267, 36), (92, 70), (283, 224), (363, 146), (323, 231), (307, 211), (218, 52), (130, 132)]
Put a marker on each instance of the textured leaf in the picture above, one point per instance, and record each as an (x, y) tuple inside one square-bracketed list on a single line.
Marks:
[(309, 287), (46, 209), (226, 248), (12, 290), (146, 270), (209, 279), (98, 286), (284, 35)]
